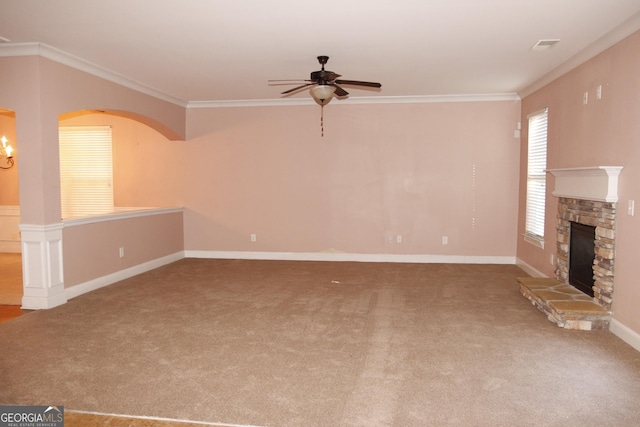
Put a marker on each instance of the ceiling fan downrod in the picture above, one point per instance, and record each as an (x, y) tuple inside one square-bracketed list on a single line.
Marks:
[(322, 59)]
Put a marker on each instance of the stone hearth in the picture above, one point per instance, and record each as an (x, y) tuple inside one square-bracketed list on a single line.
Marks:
[(564, 305)]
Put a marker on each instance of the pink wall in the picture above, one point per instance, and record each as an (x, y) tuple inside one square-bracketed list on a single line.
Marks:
[(603, 132), (422, 171), (92, 250), (416, 170)]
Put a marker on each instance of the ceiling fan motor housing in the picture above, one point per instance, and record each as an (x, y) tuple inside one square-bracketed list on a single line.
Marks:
[(323, 77)]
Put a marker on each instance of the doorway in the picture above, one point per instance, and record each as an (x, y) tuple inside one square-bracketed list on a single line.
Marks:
[(11, 287)]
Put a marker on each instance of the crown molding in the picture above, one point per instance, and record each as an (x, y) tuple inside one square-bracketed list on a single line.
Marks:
[(422, 99), (65, 58), (622, 31)]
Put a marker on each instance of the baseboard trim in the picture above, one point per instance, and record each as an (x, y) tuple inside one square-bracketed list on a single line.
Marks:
[(339, 256), (531, 271), (100, 282), (625, 333)]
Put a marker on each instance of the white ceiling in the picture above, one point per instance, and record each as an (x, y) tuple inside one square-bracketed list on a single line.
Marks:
[(216, 50)]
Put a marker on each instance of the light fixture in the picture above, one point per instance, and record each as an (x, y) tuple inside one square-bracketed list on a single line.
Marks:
[(6, 154), (322, 93)]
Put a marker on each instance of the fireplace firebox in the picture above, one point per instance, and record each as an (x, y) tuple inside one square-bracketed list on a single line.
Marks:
[(581, 257)]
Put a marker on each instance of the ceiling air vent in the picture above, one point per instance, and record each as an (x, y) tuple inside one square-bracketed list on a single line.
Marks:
[(544, 44)]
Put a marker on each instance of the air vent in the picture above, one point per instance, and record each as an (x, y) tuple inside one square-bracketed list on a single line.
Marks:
[(545, 44)]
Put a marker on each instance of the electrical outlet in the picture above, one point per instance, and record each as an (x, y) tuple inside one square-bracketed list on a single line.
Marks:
[(254, 238), (445, 240), (399, 238), (121, 252)]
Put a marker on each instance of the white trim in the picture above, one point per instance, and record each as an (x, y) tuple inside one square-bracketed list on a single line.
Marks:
[(65, 58), (42, 266), (337, 256), (423, 99), (133, 213), (534, 240), (100, 282), (616, 35), (625, 333), (538, 112), (531, 271), (10, 218)]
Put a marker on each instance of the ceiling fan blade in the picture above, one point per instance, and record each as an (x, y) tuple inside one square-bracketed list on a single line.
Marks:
[(331, 76), (288, 80), (339, 91), (358, 83), (297, 88)]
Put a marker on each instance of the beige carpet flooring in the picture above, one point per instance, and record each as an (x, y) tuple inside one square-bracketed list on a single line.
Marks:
[(276, 343), (10, 279)]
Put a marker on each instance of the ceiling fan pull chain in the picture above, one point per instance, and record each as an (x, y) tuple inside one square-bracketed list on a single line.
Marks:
[(322, 120)]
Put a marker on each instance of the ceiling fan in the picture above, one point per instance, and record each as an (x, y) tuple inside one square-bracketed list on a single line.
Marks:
[(324, 84)]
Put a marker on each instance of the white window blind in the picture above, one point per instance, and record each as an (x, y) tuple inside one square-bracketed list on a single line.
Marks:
[(536, 177), (86, 172)]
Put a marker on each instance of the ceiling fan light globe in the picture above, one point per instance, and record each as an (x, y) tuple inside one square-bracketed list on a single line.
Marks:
[(322, 92)]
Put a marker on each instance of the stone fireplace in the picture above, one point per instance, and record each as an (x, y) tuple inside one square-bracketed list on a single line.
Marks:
[(602, 216), (588, 196)]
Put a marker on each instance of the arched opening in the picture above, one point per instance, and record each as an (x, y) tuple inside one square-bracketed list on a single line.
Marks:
[(10, 250), (146, 162), (149, 122)]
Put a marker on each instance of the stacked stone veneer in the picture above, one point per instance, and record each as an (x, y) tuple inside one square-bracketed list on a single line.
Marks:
[(602, 215)]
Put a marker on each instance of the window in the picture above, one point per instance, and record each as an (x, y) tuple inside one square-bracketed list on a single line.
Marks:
[(536, 178), (86, 173)]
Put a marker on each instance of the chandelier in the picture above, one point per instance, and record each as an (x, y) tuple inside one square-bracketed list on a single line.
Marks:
[(6, 154)]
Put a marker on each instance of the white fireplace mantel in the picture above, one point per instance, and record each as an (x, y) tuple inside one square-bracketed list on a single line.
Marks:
[(599, 183)]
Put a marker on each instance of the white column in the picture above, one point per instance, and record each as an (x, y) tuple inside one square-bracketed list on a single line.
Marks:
[(42, 273)]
